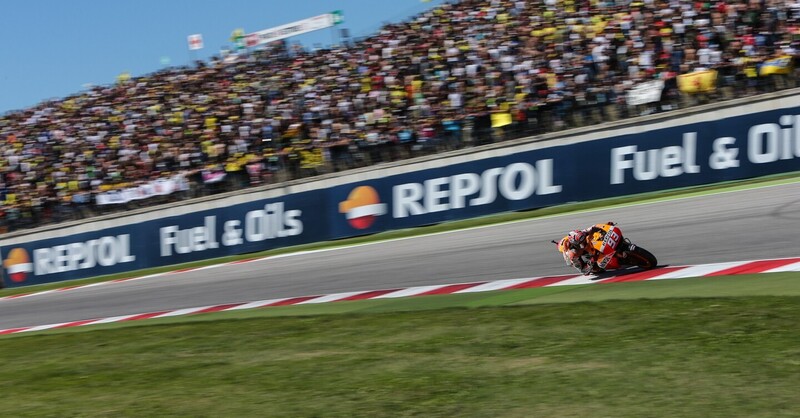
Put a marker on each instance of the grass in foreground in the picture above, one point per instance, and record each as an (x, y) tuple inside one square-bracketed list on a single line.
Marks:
[(685, 357)]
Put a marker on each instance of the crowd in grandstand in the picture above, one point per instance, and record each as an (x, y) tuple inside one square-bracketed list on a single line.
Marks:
[(460, 74)]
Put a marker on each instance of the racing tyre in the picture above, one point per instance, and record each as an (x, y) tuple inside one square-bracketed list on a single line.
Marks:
[(640, 257)]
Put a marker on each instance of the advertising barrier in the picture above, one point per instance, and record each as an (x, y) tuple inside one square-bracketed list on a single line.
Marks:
[(739, 147), (255, 226)]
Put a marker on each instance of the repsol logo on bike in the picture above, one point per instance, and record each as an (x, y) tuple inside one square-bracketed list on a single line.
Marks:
[(765, 143), (516, 181), (105, 252)]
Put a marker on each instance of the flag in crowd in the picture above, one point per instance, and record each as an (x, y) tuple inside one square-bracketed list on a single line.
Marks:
[(195, 41)]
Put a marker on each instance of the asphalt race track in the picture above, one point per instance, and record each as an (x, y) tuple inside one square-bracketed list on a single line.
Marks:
[(743, 225)]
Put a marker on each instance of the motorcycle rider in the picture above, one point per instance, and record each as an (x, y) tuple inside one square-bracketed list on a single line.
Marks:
[(579, 250)]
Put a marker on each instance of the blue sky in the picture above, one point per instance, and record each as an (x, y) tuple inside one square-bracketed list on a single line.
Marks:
[(53, 48)]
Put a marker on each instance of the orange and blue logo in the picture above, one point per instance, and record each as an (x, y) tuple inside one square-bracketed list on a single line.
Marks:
[(362, 206), (18, 265)]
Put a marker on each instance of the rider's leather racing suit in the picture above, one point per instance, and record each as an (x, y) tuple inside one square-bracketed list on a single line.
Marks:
[(582, 254)]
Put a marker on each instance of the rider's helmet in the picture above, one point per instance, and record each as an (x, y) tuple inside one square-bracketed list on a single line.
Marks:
[(577, 239), (563, 245)]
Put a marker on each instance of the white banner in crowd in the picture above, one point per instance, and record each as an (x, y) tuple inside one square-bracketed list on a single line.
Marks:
[(291, 29), (212, 176), (646, 92), (160, 187), (195, 41)]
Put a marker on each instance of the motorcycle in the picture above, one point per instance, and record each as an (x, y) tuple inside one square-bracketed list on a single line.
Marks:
[(612, 250)]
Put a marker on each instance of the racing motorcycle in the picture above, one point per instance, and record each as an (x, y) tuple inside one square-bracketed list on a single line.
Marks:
[(611, 249)]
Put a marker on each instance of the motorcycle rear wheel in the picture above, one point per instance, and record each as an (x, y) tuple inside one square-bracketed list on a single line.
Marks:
[(642, 258)]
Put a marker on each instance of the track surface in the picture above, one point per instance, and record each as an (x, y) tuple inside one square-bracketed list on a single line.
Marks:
[(744, 225)]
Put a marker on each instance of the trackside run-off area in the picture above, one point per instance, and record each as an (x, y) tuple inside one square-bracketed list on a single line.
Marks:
[(632, 275)]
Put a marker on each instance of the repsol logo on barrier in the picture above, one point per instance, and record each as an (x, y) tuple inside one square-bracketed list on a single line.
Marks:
[(766, 143), (259, 225), (516, 181), (104, 252), (362, 206)]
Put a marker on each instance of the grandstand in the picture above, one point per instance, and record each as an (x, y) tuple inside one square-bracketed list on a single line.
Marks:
[(458, 75)]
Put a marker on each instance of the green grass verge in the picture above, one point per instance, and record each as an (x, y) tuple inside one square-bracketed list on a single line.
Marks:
[(447, 226), (607, 353)]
